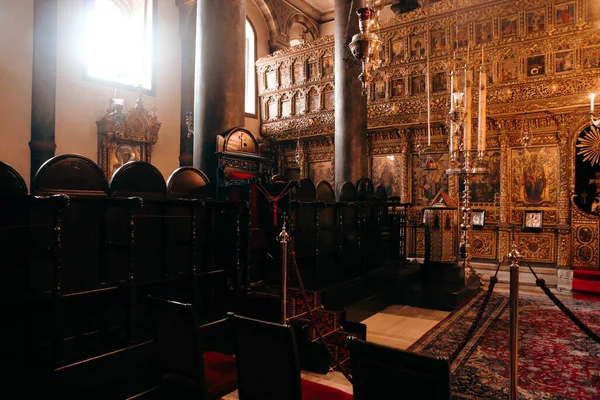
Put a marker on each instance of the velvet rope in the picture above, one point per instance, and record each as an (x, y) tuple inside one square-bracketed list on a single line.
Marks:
[(475, 324), (275, 199), (586, 329), (292, 254)]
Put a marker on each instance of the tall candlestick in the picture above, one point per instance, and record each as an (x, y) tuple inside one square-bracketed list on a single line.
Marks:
[(592, 96), (467, 122), (451, 91), (481, 132)]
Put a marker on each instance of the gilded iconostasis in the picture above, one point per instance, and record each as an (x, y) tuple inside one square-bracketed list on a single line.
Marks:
[(542, 59)]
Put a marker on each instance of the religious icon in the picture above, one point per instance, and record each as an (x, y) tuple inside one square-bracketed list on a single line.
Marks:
[(397, 87), (535, 21), (591, 57), (564, 14), (320, 171), (329, 99), (508, 26), (536, 65), (509, 70), (418, 84), (312, 70), (462, 36), (383, 54), (314, 103), (271, 108), (483, 32), (428, 183), (532, 221), (485, 186), (564, 61), (300, 103), (417, 46), (534, 180), (385, 173), (271, 79), (584, 234), (286, 79), (327, 66), (298, 72), (438, 82), (286, 107), (379, 93), (397, 50), (478, 219), (584, 254), (438, 41)]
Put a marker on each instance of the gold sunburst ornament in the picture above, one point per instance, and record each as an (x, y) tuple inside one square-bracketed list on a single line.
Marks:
[(589, 146)]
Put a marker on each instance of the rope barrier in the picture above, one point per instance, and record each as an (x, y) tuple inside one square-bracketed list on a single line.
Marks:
[(343, 370), (16, 227), (475, 324), (586, 329), (274, 199)]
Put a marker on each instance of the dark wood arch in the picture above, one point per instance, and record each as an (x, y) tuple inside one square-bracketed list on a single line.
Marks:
[(69, 174), (325, 192), (188, 181), (11, 182), (306, 191), (138, 177), (347, 192), (365, 189), (381, 193)]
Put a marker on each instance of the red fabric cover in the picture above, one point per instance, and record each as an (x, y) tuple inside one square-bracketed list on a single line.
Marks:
[(220, 373), (316, 391), (239, 175), (587, 286)]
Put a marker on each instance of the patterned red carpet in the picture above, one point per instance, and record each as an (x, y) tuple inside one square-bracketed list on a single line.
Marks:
[(556, 359)]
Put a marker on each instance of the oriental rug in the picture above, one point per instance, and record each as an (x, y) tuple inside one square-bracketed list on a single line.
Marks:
[(556, 359)]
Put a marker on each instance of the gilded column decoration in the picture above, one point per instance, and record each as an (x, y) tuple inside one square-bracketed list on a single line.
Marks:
[(505, 228), (565, 165), (405, 194)]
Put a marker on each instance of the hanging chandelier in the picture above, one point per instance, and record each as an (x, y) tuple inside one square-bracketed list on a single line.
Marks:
[(365, 45)]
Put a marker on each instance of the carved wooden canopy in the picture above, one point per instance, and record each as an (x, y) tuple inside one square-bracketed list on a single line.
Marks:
[(124, 137)]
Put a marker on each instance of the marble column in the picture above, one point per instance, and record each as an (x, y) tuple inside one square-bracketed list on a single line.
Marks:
[(187, 33), (220, 77), (43, 92), (351, 161)]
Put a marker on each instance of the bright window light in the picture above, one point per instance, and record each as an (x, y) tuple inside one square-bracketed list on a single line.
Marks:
[(250, 70), (119, 42)]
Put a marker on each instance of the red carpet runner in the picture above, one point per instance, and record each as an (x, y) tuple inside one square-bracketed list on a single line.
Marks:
[(556, 359)]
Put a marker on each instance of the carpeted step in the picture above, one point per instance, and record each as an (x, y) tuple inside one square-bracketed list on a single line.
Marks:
[(586, 281)]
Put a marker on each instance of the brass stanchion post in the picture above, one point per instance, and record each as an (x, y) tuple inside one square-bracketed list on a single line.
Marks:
[(514, 256), (283, 238)]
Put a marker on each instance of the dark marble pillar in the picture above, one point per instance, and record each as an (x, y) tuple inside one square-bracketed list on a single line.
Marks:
[(351, 161), (43, 92), (187, 33), (220, 78)]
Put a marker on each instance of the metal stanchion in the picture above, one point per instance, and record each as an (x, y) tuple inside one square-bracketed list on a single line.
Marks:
[(514, 256), (283, 238)]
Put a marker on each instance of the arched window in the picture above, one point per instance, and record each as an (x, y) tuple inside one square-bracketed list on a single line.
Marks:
[(120, 43), (250, 70)]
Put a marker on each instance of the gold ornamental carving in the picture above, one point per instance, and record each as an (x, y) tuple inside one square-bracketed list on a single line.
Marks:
[(125, 137), (536, 247), (483, 244)]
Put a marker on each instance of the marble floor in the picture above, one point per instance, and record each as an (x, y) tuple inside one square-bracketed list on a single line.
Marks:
[(396, 326), (400, 326)]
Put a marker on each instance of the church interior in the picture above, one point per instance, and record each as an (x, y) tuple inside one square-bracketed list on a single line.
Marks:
[(300, 199)]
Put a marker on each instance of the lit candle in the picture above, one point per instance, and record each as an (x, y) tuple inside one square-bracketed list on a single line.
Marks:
[(468, 124), (481, 132), (592, 96), (452, 91)]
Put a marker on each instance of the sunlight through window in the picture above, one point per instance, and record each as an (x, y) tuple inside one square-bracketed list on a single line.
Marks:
[(250, 70), (119, 42)]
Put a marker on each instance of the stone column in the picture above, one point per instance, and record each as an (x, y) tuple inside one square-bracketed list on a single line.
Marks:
[(43, 92), (187, 33), (220, 77), (351, 161)]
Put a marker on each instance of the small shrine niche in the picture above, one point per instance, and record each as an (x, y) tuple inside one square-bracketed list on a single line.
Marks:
[(239, 157), (125, 137), (441, 239)]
